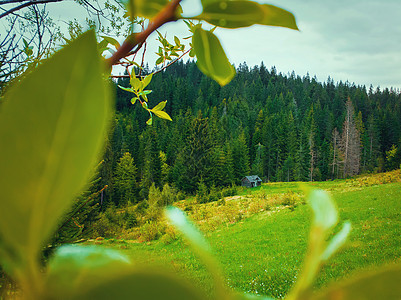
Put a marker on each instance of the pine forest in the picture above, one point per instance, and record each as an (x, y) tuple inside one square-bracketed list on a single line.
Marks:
[(279, 127)]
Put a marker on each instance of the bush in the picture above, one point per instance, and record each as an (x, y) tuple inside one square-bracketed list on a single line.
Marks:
[(104, 227), (151, 231), (169, 236), (291, 199), (230, 191)]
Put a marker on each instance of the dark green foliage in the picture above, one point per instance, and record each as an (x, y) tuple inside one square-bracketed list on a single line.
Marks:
[(280, 128), (125, 180)]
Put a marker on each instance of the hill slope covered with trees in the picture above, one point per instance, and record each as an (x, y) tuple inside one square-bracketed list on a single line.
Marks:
[(283, 128)]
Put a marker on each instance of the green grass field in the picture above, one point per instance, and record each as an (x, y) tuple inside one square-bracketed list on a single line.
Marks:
[(263, 253)]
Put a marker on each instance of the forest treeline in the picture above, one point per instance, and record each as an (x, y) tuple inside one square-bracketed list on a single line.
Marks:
[(282, 128)]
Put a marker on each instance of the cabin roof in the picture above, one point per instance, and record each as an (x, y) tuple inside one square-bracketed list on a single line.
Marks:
[(253, 178)]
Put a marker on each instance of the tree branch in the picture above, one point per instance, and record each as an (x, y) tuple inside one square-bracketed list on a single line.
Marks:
[(26, 4), (168, 14), (158, 71), (11, 1)]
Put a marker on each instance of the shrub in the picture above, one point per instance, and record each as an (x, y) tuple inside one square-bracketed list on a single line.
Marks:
[(152, 231), (255, 206), (230, 191), (168, 195), (169, 236), (291, 200), (106, 226)]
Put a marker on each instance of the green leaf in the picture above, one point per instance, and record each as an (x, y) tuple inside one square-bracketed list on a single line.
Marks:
[(75, 268), (177, 41), (232, 14), (207, 2), (161, 37), (275, 16), (133, 100), (211, 59), (147, 80), (111, 41), (178, 219), (161, 114), (337, 241), (146, 284), (144, 97), (325, 217), (145, 105), (126, 89), (135, 82), (25, 43), (52, 127), (145, 8), (253, 297), (382, 284), (200, 246), (160, 106), (241, 13), (150, 121), (103, 45), (160, 60), (325, 211)]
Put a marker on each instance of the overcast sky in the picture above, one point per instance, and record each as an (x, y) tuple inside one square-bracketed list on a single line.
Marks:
[(354, 40)]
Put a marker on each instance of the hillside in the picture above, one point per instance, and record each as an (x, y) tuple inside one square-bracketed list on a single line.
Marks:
[(263, 251), (281, 127)]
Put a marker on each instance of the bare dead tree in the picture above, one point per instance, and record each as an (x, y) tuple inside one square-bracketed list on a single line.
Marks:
[(350, 142)]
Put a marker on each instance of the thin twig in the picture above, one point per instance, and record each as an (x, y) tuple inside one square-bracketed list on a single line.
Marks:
[(10, 11), (168, 14)]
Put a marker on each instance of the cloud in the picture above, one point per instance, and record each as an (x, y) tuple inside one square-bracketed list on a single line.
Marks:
[(358, 40)]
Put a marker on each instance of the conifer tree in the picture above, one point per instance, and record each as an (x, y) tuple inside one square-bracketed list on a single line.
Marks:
[(337, 156), (125, 180), (195, 159), (240, 157), (165, 168), (152, 166), (257, 166), (291, 145), (372, 146)]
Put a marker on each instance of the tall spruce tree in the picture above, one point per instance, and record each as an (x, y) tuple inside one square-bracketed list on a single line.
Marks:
[(240, 156), (125, 180)]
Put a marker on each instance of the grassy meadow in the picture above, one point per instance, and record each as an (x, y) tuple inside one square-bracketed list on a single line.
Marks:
[(260, 236)]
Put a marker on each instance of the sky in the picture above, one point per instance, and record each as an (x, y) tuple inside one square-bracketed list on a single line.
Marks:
[(356, 40)]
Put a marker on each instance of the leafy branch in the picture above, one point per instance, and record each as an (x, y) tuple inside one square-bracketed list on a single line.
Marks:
[(168, 14)]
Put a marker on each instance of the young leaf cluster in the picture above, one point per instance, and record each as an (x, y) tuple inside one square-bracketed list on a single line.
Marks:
[(168, 51), (138, 86)]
